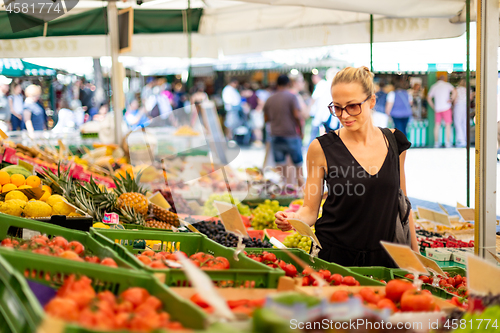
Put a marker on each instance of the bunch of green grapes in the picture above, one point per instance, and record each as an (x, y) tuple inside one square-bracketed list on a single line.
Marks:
[(263, 215), (210, 210), (298, 241)]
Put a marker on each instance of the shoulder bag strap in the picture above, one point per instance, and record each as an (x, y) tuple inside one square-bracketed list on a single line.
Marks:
[(392, 144)]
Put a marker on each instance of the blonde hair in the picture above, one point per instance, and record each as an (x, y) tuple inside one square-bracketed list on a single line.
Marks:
[(361, 75), (33, 90)]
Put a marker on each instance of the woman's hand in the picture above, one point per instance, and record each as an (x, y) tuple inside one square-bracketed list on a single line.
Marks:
[(281, 220)]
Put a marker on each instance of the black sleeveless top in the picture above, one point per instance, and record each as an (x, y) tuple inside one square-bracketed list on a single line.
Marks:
[(360, 209)]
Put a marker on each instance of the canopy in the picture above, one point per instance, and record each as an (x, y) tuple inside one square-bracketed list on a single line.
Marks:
[(237, 27), (18, 67)]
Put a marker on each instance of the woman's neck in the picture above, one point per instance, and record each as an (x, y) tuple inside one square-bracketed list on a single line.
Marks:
[(363, 135)]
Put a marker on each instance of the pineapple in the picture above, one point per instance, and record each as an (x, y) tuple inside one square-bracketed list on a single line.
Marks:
[(130, 216), (164, 215), (130, 194), (153, 223)]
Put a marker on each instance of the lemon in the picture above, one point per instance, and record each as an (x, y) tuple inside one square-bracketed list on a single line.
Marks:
[(62, 208), (100, 225), (13, 207), (54, 198), (47, 188), (16, 195), (37, 209), (75, 214), (45, 196), (24, 186)]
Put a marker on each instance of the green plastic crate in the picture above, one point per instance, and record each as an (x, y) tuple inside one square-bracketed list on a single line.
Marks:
[(283, 201), (12, 225), (317, 264), (19, 312), (115, 280), (378, 273), (244, 272)]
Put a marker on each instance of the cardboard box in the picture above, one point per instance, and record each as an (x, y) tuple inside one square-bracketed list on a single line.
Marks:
[(438, 254)]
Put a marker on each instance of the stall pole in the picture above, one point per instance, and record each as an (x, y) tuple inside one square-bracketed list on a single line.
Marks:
[(486, 127), (467, 79), (116, 85), (190, 46), (371, 42)]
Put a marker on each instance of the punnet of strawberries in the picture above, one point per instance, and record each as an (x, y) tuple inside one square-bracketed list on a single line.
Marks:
[(58, 247), (162, 260), (308, 279), (134, 309), (452, 283)]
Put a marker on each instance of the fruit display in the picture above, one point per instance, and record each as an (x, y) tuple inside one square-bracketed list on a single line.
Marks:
[(452, 283), (210, 210), (57, 247), (292, 271), (241, 306), (179, 205), (298, 241), (263, 215), (135, 309), (163, 260)]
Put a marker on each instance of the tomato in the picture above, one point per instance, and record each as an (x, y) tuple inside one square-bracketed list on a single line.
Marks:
[(325, 273), (425, 279), (39, 241), (281, 264), (417, 301), (337, 279), (198, 300), (108, 297), (109, 262), (290, 270), (80, 290), (369, 295), (44, 251), (386, 303), (56, 250), (451, 281), (410, 276), (135, 295), (269, 257), (395, 289), (96, 320), (224, 262), (308, 271), (76, 247), (157, 265), (305, 281), (92, 259), (339, 296), (349, 280), (124, 306), (70, 255), (201, 257), (442, 282), (7, 242), (63, 308), (258, 303), (148, 253), (144, 259), (59, 241), (145, 322), (150, 304)]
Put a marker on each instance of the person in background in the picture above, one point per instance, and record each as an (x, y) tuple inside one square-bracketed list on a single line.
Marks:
[(418, 101), (65, 118), (87, 98), (297, 85), (232, 104), (460, 114), (101, 114), (78, 111), (34, 114), (323, 118), (136, 117), (380, 118), (439, 98), (320, 89), (4, 102), (282, 111), (398, 106), (197, 98), (16, 103)]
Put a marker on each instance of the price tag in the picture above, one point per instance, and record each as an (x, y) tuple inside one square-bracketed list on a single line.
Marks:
[(51, 325), (434, 216), (111, 218), (277, 243), (231, 218), (159, 200), (495, 256), (204, 286), (32, 193), (189, 226), (483, 277), (430, 264), (443, 209), (459, 205), (304, 229), (3, 135), (468, 214), (405, 258)]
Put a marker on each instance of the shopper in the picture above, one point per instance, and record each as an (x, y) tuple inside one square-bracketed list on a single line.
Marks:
[(460, 114), (65, 118), (360, 171), (136, 117), (16, 102), (398, 106), (34, 114), (380, 118), (232, 104), (439, 98), (282, 111), (323, 119), (297, 85)]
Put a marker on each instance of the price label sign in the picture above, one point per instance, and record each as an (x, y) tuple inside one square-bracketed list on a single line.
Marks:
[(434, 216), (468, 214), (483, 277), (405, 258), (231, 218), (304, 229), (430, 264)]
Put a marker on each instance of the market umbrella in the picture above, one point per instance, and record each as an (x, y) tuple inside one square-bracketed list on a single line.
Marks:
[(18, 67)]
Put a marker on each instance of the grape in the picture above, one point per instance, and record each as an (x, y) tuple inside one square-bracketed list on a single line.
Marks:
[(263, 215), (210, 210), (298, 241)]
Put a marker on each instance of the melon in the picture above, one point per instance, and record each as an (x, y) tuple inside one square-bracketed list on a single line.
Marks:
[(278, 234)]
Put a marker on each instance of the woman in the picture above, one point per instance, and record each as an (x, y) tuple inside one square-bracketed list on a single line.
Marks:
[(65, 118), (136, 117), (33, 113), (16, 102), (361, 174), (460, 114), (398, 106)]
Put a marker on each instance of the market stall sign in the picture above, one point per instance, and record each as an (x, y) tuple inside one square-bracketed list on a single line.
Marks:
[(28, 166), (277, 243), (430, 264), (494, 256), (231, 218), (304, 229), (483, 277), (468, 214), (405, 258), (159, 200), (434, 216)]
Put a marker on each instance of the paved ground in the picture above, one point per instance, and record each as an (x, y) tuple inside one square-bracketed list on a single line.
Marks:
[(435, 175)]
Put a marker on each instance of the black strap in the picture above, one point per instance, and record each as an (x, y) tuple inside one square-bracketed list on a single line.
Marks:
[(392, 143)]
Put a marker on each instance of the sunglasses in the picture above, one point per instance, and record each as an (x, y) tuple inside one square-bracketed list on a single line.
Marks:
[(351, 109)]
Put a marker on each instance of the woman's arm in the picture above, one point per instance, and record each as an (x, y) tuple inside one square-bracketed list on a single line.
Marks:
[(313, 191), (402, 180), (27, 122)]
